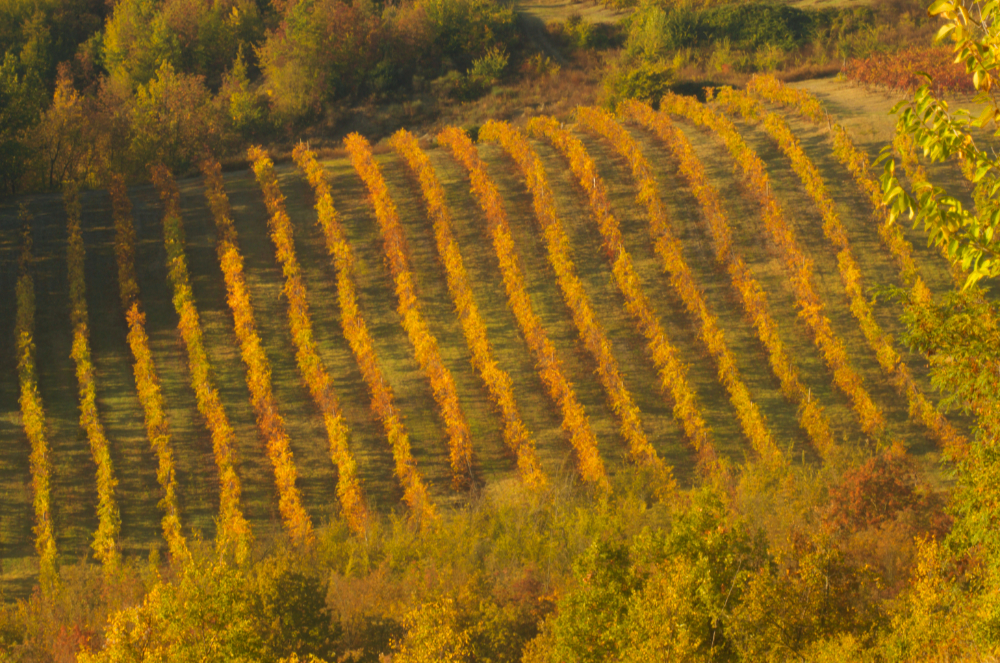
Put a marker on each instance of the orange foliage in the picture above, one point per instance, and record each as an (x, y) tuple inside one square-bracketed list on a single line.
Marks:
[(575, 422), (557, 247), (233, 528), (269, 421), (496, 379), (752, 295), (797, 265), (425, 346), (668, 248), (881, 343), (105, 542), (33, 413), (358, 337), (672, 371), (146, 381), (892, 238), (311, 367), (901, 70)]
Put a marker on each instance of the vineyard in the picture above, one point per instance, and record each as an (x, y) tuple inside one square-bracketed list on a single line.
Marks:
[(401, 327)]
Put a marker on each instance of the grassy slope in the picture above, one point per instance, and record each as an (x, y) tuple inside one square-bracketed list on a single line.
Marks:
[(73, 482)]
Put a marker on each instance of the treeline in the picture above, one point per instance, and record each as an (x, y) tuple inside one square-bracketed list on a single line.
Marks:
[(88, 88), (670, 42)]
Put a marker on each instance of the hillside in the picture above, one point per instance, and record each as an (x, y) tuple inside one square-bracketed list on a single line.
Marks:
[(493, 465)]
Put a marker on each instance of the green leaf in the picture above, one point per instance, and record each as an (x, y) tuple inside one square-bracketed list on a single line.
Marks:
[(940, 6)]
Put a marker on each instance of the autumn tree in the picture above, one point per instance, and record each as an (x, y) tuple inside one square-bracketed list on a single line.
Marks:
[(960, 332)]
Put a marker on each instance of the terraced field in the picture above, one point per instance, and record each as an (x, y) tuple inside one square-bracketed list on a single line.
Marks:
[(544, 306)]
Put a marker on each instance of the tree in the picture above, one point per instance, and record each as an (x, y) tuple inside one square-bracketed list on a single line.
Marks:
[(18, 112), (64, 139), (969, 236), (960, 332)]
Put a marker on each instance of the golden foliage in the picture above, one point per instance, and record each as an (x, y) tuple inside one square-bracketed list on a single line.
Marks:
[(311, 367), (425, 347), (751, 294), (146, 381), (358, 337), (575, 422), (496, 379), (668, 249), (105, 542), (920, 409), (797, 265), (33, 412), (233, 529), (557, 248)]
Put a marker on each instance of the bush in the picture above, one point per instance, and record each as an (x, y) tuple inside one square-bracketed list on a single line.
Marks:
[(752, 25), (647, 81), (491, 66), (464, 30)]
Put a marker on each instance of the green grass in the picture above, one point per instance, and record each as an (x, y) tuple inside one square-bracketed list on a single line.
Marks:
[(560, 10), (73, 485)]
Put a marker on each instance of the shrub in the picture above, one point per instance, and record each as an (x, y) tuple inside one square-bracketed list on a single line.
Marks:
[(491, 66), (755, 24), (463, 30), (647, 81)]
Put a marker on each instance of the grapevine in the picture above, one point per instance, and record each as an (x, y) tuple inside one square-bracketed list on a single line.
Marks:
[(590, 465), (496, 379), (358, 337), (798, 267), (105, 542), (750, 292), (425, 346), (234, 531), (146, 381), (881, 343), (668, 249), (310, 364), (33, 412), (557, 248)]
